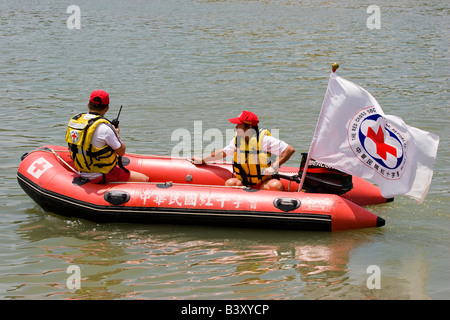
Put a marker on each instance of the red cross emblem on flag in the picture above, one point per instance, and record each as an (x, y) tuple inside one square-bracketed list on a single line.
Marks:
[(382, 148), (377, 143)]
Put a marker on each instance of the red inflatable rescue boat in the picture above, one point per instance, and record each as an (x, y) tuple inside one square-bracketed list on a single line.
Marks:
[(181, 192)]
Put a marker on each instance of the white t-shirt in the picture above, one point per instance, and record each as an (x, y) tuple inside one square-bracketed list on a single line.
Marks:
[(269, 144), (103, 135)]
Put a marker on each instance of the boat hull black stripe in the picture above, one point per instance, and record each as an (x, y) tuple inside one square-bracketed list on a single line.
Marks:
[(63, 205)]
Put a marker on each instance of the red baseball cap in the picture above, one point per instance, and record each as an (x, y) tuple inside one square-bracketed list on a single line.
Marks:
[(246, 117), (99, 97)]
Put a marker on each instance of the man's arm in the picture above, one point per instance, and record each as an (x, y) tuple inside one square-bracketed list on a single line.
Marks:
[(284, 156), (217, 155), (120, 151)]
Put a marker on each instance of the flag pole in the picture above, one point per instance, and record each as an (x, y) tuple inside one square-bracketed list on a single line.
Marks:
[(334, 67)]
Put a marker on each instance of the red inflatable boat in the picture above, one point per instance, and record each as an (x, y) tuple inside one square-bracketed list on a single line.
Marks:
[(183, 193)]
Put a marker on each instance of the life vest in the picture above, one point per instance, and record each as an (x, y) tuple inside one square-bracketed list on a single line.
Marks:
[(86, 157), (249, 160)]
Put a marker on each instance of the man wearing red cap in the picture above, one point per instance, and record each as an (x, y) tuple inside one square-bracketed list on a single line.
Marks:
[(252, 151), (95, 144)]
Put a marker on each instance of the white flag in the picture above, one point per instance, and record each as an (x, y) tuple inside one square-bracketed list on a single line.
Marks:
[(355, 136)]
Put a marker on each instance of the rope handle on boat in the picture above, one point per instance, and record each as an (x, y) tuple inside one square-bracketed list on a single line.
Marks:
[(50, 150), (172, 184), (63, 161), (47, 149)]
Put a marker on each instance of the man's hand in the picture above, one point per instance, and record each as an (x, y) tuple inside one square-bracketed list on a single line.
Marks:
[(270, 171), (197, 160)]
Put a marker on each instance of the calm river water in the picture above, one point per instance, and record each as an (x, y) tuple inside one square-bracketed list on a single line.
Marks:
[(180, 64)]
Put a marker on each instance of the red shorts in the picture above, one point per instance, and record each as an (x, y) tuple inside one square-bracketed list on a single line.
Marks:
[(117, 174), (256, 186)]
